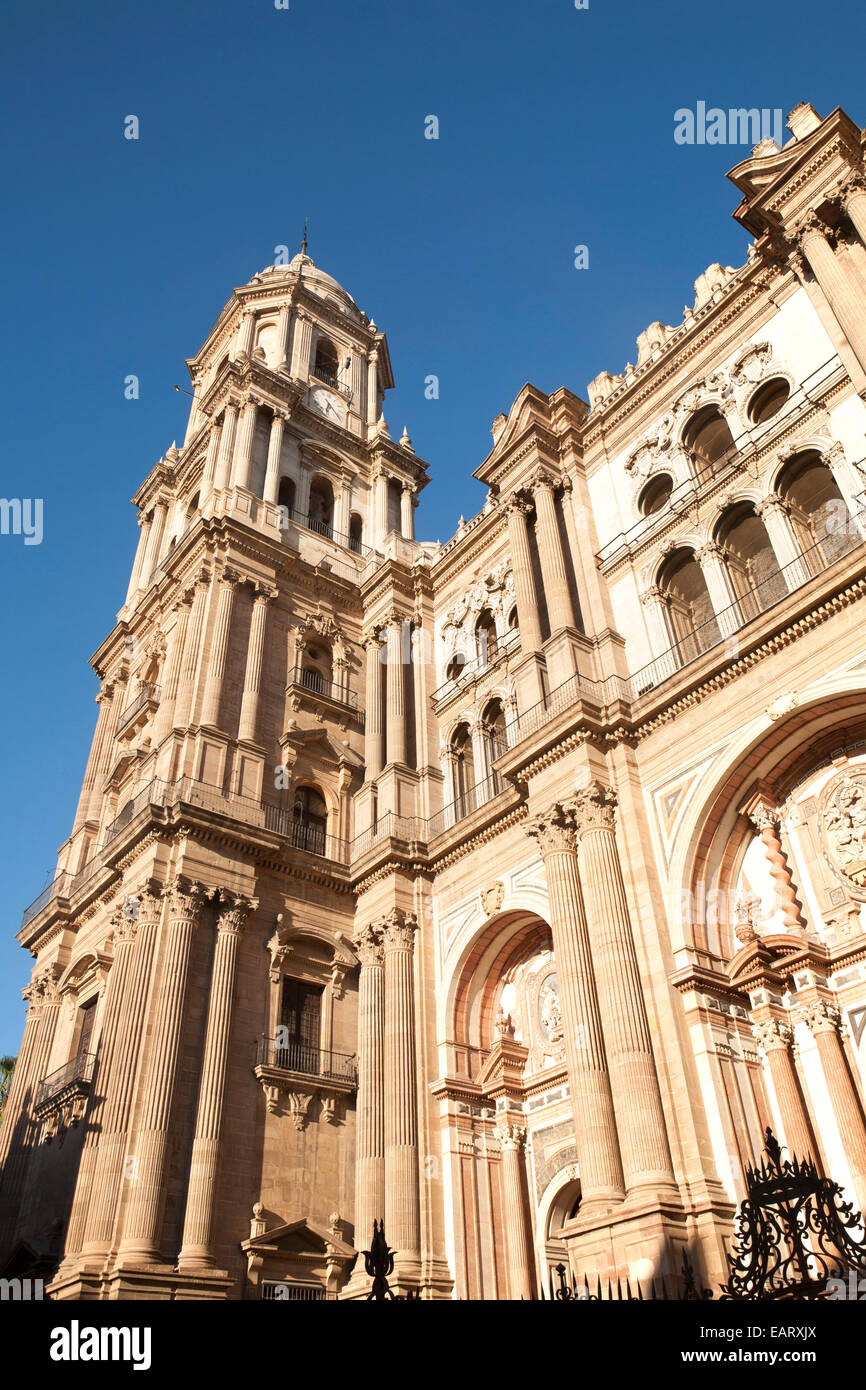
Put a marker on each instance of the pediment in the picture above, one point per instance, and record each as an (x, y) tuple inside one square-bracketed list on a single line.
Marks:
[(300, 1238)]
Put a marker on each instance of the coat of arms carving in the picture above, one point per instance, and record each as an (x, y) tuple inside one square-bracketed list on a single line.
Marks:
[(843, 828)]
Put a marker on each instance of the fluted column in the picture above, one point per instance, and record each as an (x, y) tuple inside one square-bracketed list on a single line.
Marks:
[(369, 1115), (301, 346), (98, 750), (125, 927), (643, 1140), (282, 344), (776, 1039), (841, 293), (373, 387), (396, 710), (723, 596), (19, 1129), (559, 605), (144, 525), (253, 673), (142, 1226), (598, 1156), (171, 677), (197, 1251), (226, 444), (244, 337), (114, 1160), (407, 511), (275, 447), (380, 505), (190, 656), (824, 1021), (210, 464), (240, 473), (524, 584), (154, 542), (373, 713), (775, 513), (402, 1197), (518, 1237), (219, 648)]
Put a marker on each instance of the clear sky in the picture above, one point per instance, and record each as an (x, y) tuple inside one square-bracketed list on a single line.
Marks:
[(556, 130)]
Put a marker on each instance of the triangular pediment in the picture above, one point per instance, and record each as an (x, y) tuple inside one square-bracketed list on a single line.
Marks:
[(304, 1237)]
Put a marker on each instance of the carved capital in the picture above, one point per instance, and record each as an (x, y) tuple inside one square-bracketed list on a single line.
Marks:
[(398, 930), (820, 1017), (368, 945), (233, 911), (773, 1035), (511, 1136), (185, 899), (595, 808), (554, 830)]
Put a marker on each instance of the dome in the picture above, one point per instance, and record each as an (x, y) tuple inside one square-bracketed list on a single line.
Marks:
[(304, 267)]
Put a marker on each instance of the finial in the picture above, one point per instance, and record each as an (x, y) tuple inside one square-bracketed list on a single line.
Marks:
[(304, 242)]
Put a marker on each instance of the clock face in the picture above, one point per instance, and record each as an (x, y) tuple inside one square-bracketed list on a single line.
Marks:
[(327, 404)]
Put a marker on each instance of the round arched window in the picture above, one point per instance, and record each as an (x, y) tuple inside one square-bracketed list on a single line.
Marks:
[(655, 495), (768, 400)]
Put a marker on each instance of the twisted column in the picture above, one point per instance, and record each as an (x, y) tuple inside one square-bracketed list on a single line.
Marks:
[(643, 1141), (116, 1114), (765, 818), (601, 1176), (402, 1195), (140, 1242), (776, 1038), (559, 605), (518, 1237), (253, 673), (824, 1021), (219, 649), (373, 711), (524, 583), (197, 1251), (369, 1115), (125, 927)]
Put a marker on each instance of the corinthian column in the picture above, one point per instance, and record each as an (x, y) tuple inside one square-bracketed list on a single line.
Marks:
[(98, 750), (197, 1252), (643, 1141), (601, 1178), (171, 678), (144, 525), (559, 605), (19, 1129), (837, 286), (219, 649), (125, 925), (226, 443), (775, 1038), (518, 1239), (524, 584), (370, 1118), (373, 711), (402, 1196), (824, 1021), (114, 1138), (240, 474), (396, 715), (142, 1226), (253, 674), (190, 656), (275, 447), (210, 463)]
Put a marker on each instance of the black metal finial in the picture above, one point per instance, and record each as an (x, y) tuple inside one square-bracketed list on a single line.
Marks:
[(304, 242)]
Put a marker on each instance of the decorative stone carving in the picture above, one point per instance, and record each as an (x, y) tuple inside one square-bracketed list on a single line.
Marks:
[(280, 949), (398, 930), (492, 898), (842, 827), (594, 808), (772, 1033), (554, 830), (782, 705), (820, 1017)]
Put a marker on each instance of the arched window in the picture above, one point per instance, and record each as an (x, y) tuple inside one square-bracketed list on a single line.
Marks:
[(819, 513), (513, 620), (454, 669), (356, 533), (750, 559), (317, 668), (768, 400), (495, 743), (691, 619), (309, 820), (286, 496), (709, 441), (655, 495), (485, 637), (326, 362), (321, 516), (191, 511), (463, 771)]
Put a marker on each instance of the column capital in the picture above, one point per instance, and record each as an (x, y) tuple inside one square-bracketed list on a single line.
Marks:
[(653, 594), (511, 1136), (773, 503), (185, 898), (398, 930), (809, 228), (854, 186), (554, 830), (820, 1017), (232, 911), (368, 945), (517, 504), (772, 1034), (710, 551), (231, 577), (595, 808), (542, 478), (264, 593)]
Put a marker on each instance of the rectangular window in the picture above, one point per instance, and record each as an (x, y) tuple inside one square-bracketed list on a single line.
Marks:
[(301, 1023), (84, 1028)]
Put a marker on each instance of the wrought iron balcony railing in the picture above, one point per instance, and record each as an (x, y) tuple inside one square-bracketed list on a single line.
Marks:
[(318, 684), (72, 1078), (307, 1060), (149, 692)]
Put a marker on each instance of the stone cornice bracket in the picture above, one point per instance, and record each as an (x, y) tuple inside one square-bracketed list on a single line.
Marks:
[(398, 930), (772, 1033), (368, 945), (820, 1017), (595, 808), (233, 909), (554, 830), (185, 898)]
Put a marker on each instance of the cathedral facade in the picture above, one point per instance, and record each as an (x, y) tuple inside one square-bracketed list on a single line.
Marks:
[(505, 890)]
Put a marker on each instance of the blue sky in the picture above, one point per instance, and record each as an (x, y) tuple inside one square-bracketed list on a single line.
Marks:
[(556, 129)]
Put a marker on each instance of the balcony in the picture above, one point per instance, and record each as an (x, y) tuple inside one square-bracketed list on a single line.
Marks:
[(292, 1076), (471, 671), (61, 1097), (142, 707), (305, 683)]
